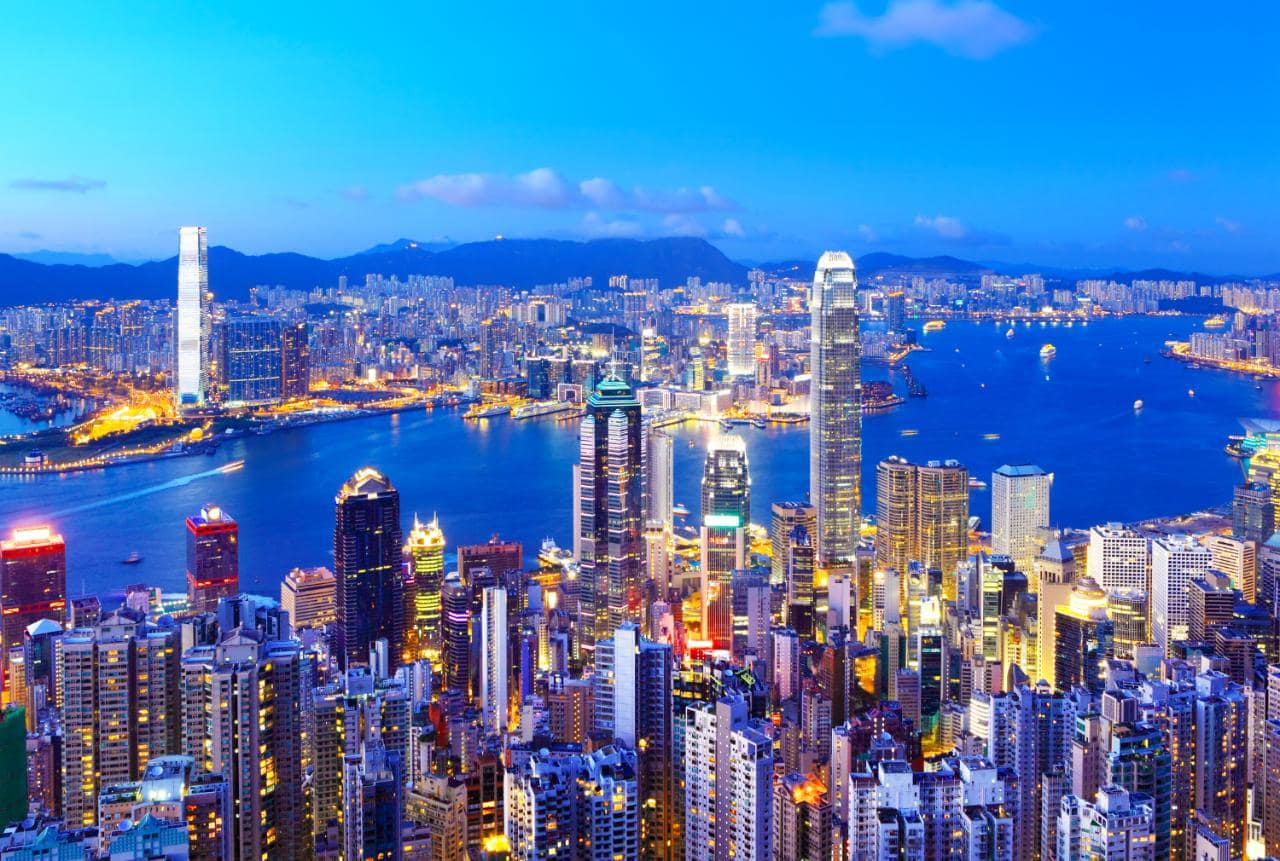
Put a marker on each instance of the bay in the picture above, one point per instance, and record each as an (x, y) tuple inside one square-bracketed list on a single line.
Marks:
[(1072, 414)]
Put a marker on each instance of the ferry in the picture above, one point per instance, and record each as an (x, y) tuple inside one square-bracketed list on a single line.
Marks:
[(1137, 405), (908, 432), (480, 411), (934, 326), (1048, 351), (552, 556), (1215, 322), (679, 510), (991, 437), (1009, 332), (539, 408), (132, 559), (976, 483)]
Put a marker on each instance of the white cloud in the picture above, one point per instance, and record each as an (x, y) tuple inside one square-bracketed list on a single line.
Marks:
[(597, 227), (974, 29), (868, 233), (546, 188), (679, 224), (733, 227), (946, 226), (1227, 224), (1135, 223), (356, 193)]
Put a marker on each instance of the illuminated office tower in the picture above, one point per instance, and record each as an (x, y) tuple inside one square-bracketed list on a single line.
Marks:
[(494, 659), (1238, 559), (610, 511), (33, 585), (119, 693), (1176, 560), (942, 515), (213, 559), (632, 692), (895, 514), (456, 605), (309, 596), (192, 327), (784, 518), (242, 704), (1019, 512), (295, 361), (930, 659), (726, 512), (372, 804), (801, 819), (497, 556), (251, 362), (1055, 571), (1083, 638), (366, 553), (1222, 733), (895, 311), (1118, 558), (424, 565), (728, 768), (1117, 826), (835, 428), (1210, 605), (1128, 613), (1253, 513), (800, 568), (742, 338)]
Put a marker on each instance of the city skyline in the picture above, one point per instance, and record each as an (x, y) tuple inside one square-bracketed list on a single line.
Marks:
[(958, 119)]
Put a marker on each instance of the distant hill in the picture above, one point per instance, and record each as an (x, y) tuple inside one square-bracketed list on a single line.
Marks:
[(523, 263), (513, 262), (70, 257)]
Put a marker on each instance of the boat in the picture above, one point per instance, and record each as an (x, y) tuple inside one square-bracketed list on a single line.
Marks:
[(1048, 351), (1137, 405), (1191, 393), (1009, 332), (934, 326), (1215, 322), (480, 411), (991, 437), (132, 559), (552, 555), (908, 432), (976, 483), (679, 510), (758, 424), (539, 408)]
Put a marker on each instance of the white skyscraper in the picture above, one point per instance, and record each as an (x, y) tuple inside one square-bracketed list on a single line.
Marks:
[(835, 398), (1118, 558), (1019, 511), (493, 659), (1175, 561), (742, 338), (190, 370)]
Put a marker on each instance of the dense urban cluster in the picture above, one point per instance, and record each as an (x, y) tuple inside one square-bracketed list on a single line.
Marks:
[(814, 679)]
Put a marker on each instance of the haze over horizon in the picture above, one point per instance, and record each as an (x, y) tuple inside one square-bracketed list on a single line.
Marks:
[(1083, 136)]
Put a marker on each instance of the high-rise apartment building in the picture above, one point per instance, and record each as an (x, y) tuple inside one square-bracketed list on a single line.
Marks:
[(192, 328), (33, 586), (835, 398), (609, 513), (742, 338), (801, 819), (367, 547), (373, 803), (494, 659), (309, 596), (726, 514), (784, 518), (922, 515), (213, 559), (1019, 512), (1117, 826)]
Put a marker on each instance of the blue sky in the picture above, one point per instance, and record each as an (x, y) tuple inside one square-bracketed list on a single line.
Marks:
[(1075, 134)]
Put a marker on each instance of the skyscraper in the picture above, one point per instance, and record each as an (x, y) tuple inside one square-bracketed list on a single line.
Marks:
[(1019, 511), (295, 361), (610, 514), (835, 429), (1118, 558), (424, 567), (456, 605), (366, 553), (33, 585), (191, 331), (784, 517), (213, 559), (742, 338), (801, 819), (1083, 638), (372, 802), (251, 360), (726, 513), (309, 596), (494, 659), (922, 515), (1176, 560), (659, 475)]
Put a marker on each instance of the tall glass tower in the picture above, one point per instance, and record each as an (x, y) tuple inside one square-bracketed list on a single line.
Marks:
[(726, 511), (191, 336), (835, 430), (610, 511), (367, 547)]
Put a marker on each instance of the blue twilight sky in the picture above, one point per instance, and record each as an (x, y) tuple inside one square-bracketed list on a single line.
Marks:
[(1080, 133)]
